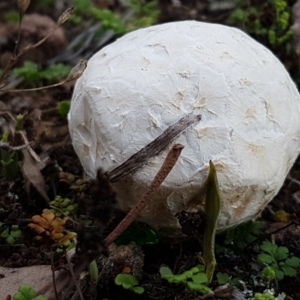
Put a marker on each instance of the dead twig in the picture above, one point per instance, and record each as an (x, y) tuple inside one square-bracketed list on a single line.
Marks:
[(165, 169), (143, 156), (8, 147)]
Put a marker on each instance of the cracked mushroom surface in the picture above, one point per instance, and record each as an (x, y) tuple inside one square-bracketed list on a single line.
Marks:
[(136, 87)]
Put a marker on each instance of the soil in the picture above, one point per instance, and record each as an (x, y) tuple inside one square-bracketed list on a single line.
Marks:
[(47, 131)]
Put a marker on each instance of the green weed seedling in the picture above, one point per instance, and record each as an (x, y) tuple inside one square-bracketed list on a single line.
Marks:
[(241, 236), (259, 296), (277, 261), (26, 292), (195, 279), (129, 282), (224, 278), (12, 234)]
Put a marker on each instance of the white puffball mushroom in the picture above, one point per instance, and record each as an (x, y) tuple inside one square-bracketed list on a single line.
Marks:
[(136, 87)]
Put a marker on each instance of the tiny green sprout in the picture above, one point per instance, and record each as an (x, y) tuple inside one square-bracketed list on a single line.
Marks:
[(195, 279), (277, 260), (224, 278), (129, 282), (26, 292), (259, 296), (268, 273), (11, 235), (64, 108)]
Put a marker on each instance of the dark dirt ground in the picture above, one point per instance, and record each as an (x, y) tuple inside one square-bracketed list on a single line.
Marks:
[(48, 133)]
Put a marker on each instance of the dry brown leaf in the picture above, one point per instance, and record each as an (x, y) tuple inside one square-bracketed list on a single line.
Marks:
[(32, 174)]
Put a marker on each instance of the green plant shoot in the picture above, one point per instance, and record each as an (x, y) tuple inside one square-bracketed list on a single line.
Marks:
[(212, 210)]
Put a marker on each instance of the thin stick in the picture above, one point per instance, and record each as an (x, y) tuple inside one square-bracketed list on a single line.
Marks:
[(73, 276), (35, 89), (161, 175), (8, 147), (154, 148)]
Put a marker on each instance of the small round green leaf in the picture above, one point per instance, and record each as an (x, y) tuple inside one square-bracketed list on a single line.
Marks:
[(293, 262), (289, 271), (16, 234), (5, 233), (165, 273), (178, 278), (138, 290), (200, 288), (279, 274), (223, 278), (126, 285), (27, 291), (19, 296), (10, 240), (265, 258), (200, 278), (126, 280), (188, 274)]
